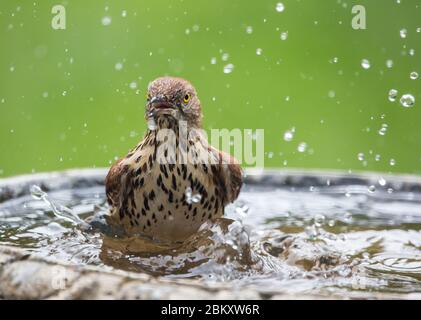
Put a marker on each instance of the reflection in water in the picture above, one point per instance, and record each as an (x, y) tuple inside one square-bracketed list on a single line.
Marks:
[(347, 241)]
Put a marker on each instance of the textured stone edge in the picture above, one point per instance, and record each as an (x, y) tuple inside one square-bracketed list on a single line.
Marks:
[(24, 276)]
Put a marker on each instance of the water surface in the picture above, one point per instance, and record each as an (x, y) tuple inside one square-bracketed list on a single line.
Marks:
[(341, 241)]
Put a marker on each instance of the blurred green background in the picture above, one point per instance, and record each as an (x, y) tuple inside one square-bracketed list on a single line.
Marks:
[(75, 97)]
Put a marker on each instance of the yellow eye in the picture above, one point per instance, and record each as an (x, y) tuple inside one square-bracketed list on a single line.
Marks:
[(186, 98)]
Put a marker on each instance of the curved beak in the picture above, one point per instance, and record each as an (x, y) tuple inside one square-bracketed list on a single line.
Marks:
[(160, 102)]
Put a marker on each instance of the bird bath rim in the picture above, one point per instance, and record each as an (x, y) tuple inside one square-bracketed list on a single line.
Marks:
[(15, 186)]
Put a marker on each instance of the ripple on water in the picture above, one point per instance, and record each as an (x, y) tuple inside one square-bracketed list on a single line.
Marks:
[(297, 241)]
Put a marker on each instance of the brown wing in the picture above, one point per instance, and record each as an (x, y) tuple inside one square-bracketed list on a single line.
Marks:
[(228, 175), (233, 175), (113, 183)]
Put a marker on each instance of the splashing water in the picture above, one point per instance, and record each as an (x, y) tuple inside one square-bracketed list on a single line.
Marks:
[(284, 36), (313, 240), (365, 64), (393, 95), (280, 7), (403, 33), (407, 100), (192, 198), (413, 75), (106, 21), (383, 129), (151, 123), (228, 68), (302, 147), (289, 134), (61, 212)]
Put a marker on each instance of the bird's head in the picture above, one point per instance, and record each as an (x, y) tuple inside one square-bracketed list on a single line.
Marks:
[(175, 98)]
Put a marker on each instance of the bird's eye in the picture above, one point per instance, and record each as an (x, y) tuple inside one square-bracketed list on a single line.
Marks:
[(186, 98)]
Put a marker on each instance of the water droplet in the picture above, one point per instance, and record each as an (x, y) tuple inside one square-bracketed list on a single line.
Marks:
[(284, 35), (151, 123), (312, 232), (365, 64), (289, 135), (225, 57), (407, 100), (64, 93), (124, 13), (331, 94), (249, 30), (118, 66), (383, 129), (192, 198), (259, 51), (392, 162), (389, 63), (393, 94), (45, 94), (412, 52), (213, 60), (133, 85), (382, 182), (280, 7), (414, 75), (106, 21), (319, 220), (403, 33), (348, 217), (302, 147), (242, 210), (36, 192), (361, 156), (371, 189), (228, 68)]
